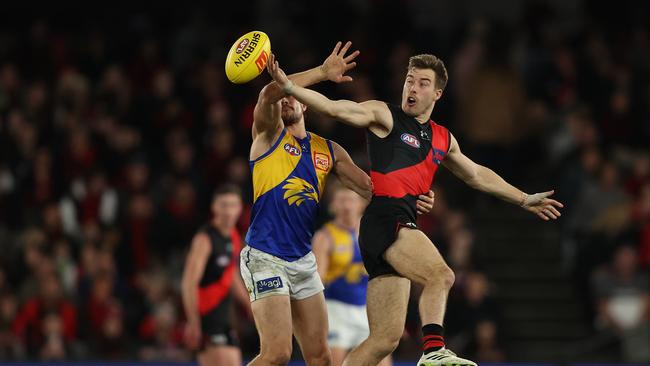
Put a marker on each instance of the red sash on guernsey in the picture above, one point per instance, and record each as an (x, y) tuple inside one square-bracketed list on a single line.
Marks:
[(211, 296)]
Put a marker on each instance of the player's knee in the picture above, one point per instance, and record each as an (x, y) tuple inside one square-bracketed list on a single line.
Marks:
[(441, 276), (321, 356), (448, 277), (385, 344), (276, 355)]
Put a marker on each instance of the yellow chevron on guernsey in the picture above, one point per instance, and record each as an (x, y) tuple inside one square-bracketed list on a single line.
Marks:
[(298, 190)]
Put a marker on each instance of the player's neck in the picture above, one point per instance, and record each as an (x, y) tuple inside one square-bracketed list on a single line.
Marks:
[(297, 130), (426, 116), (221, 228), (348, 224)]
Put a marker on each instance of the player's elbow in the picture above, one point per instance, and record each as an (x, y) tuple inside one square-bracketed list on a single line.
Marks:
[(474, 181), (334, 109), (265, 94), (366, 187), (188, 283)]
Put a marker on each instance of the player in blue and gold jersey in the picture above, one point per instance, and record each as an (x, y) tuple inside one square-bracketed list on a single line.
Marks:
[(340, 266), (289, 167)]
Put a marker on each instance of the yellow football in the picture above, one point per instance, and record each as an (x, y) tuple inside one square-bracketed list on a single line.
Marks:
[(247, 57)]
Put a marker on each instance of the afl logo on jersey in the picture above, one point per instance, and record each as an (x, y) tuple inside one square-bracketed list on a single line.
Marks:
[(292, 150), (410, 140)]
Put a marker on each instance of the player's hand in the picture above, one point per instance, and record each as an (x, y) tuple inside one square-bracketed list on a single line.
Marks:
[(425, 202), (337, 64), (541, 205), (273, 67), (192, 335)]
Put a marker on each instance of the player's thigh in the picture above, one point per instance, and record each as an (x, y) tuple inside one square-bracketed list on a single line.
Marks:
[(272, 316), (220, 355), (414, 256), (309, 317), (387, 302)]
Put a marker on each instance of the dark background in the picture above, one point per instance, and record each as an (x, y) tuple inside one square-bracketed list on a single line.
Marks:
[(117, 123)]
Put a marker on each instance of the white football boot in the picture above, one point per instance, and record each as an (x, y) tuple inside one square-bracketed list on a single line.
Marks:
[(443, 357)]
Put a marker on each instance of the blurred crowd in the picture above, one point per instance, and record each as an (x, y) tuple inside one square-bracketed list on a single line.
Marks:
[(115, 129)]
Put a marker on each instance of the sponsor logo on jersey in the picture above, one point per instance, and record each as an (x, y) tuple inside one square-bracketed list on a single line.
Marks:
[(269, 284), (438, 155), (223, 260), (321, 161), (410, 140), (298, 190), (292, 150), (219, 339)]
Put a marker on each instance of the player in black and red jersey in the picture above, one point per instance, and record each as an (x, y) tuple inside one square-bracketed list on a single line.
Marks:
[(406, 148), (211, 280)]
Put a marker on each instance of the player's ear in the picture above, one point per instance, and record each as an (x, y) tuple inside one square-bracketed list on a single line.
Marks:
[(437, 94), (304, 108)]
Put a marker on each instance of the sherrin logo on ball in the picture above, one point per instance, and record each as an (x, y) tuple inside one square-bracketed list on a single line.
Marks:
[(247, 57)]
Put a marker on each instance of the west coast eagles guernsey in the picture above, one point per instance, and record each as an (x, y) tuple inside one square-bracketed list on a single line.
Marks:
[(346, 279), (288, 181)]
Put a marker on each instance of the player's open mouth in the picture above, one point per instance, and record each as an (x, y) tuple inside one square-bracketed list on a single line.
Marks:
[(410, 101)]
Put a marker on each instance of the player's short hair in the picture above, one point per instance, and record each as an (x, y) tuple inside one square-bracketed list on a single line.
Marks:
[(226, 188), (427, 61)]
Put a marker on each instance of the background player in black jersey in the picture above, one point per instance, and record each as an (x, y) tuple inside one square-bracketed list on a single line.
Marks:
[(211, 281), (405, 149)]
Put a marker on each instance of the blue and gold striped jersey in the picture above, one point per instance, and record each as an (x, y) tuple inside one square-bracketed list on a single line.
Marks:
[(288, 181), (346, 279)]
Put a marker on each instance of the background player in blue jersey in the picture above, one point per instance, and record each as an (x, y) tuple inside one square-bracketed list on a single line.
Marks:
[(340, 266), (210, 282), (406, 148), (289, 167)]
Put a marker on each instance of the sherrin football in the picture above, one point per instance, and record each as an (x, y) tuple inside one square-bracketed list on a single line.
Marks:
[(247, 57)]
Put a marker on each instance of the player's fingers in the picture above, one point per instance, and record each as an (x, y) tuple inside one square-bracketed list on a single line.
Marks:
[(553, 210), (346, 79), (350, 66), (352, 56), (542, 216), (269, 63), (549, 214), (336, 49), (345, 48), (546, 194), (555, 203)]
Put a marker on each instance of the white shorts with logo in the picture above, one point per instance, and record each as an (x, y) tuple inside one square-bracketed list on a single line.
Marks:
[(348, 324), (267, 275)]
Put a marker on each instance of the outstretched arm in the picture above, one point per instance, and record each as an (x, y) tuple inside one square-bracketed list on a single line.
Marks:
[(486, 180), (267, 111), (370, 114)]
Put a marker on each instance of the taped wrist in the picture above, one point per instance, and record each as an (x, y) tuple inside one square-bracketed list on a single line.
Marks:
[(288, 88)]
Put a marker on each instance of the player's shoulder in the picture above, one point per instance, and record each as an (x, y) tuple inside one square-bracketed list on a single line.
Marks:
[(324, 234)]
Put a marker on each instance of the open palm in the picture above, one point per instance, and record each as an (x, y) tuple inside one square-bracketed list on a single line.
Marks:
[(337, 64)]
